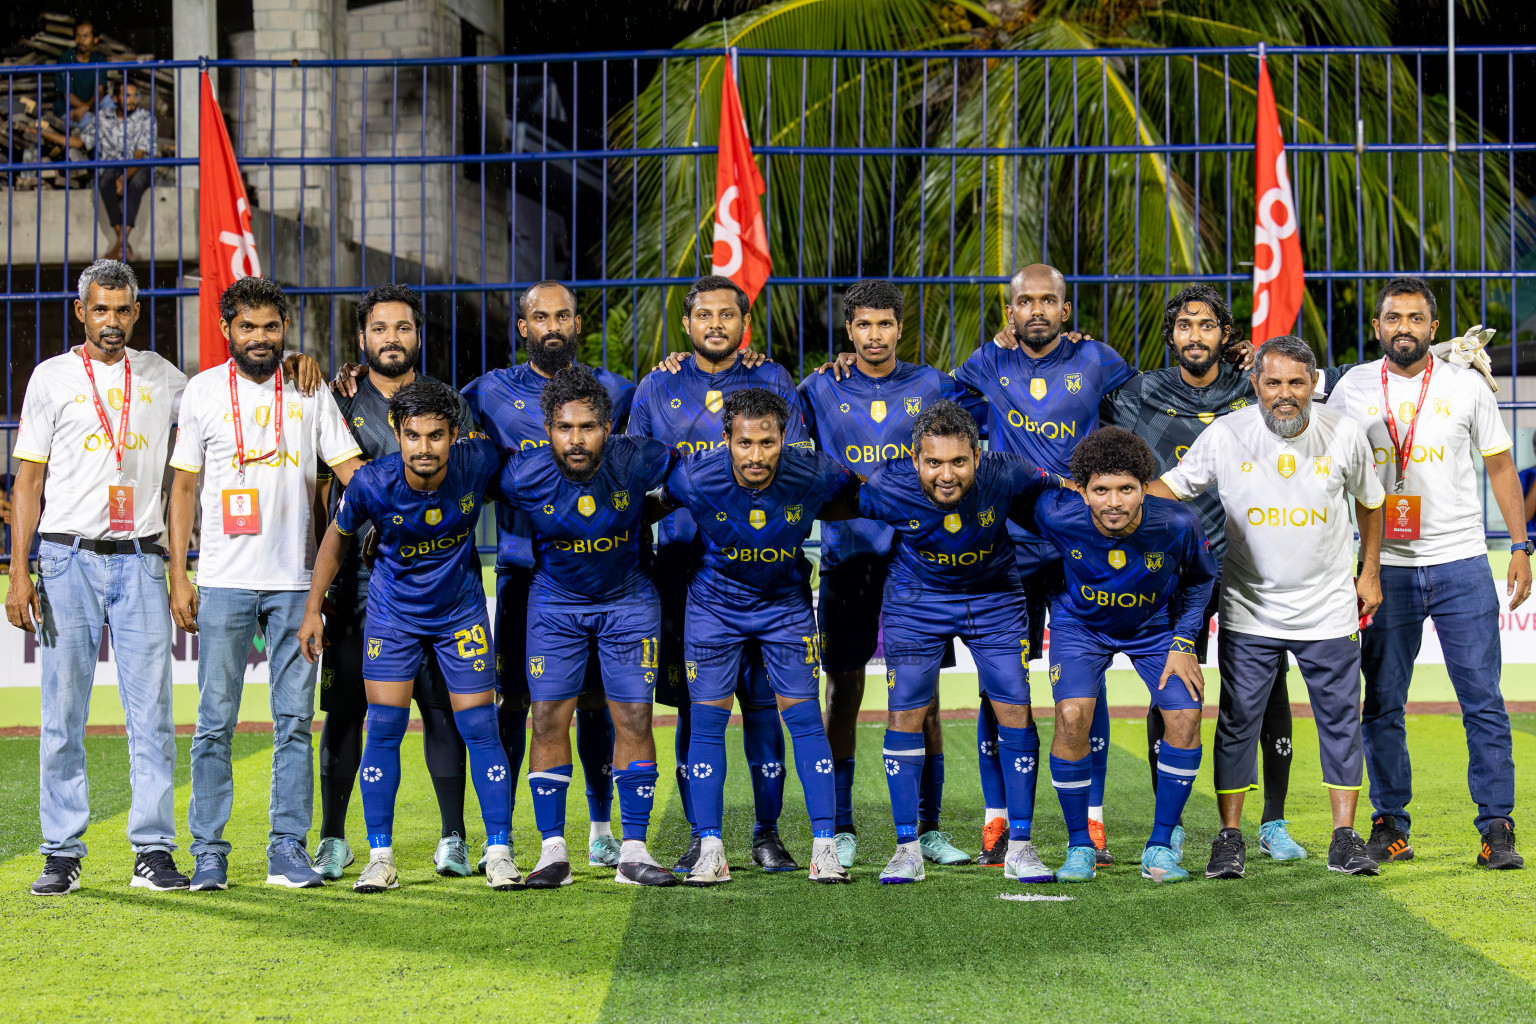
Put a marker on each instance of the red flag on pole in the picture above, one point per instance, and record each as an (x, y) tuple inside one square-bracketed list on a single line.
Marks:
[(1277, 277), (227, 250), (741, 236)]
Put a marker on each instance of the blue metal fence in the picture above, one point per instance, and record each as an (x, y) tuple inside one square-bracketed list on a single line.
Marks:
[(1130, 170)]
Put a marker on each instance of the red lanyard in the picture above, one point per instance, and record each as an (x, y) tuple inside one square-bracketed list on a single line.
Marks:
[(118, 441), (1404, 451), (277, 421)]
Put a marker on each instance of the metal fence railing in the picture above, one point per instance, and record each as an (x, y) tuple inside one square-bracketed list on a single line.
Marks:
[(943, 170)]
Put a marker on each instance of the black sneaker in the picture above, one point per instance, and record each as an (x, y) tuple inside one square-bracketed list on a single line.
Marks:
[(1387, 842), (156, 870), (61, 876), (994, 843), (1346, 853), (1229, 853), (1498, 852), (642, 872), (689, 858), (769, 852)]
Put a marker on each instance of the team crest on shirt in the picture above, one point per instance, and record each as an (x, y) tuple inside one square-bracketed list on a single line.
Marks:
[(1321, 465), (1055, 674), (1153, 560), (792, 513), (1287, 465), (914, 406), (262, 415), (877, 411), (1074, 382), (1117, 559), (620, 500), (1037, 387), (467, 504), (375, 648), (890, 679), (295, 411), (586, 505), (691, 670), (1241, 403), (987, 516), (115, 397), (1407, 411), (536, 666), (433, 516), (952, 522), (1442, 407), (146, 393), (1206, 417), (714, 401), (758, 518)]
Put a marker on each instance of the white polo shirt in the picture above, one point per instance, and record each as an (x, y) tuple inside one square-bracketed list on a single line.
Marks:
[(281, 555), (1459, 416), (1290, 564), (60, 427)]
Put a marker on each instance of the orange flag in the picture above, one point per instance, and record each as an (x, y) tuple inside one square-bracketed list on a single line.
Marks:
[(227, 249), (1277, 273), (741, 236)]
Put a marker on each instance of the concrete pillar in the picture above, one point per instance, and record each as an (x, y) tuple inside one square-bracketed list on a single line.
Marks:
[(194, 34)]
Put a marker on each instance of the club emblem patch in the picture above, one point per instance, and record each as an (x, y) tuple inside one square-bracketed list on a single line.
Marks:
[(877, 411), (1153, 560), (1241, 403), (536, 667), (1287, 465), (758, 518), (261, 414), (952, 522), (914, 406), (115, 397), (467, 504), (375, 648), (1037, 387), (586, 505), (1074, 382), (1407, 411), (1117, 559), (620, 500), (145, 393), (792, 513), (1321, 464), (1442, 407), (433, 516), (691, 669), (987, 517), (714, 401)]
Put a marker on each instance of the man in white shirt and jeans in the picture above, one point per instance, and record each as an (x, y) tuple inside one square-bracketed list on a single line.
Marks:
[(256, 442), (1287, 472), (1425, 418)]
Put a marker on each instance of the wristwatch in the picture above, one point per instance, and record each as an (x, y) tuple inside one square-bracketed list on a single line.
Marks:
[(1528, 546)]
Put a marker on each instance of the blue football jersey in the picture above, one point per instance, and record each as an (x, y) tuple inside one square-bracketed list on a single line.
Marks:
[(587, 537), (682, 409), (427, 573), (864, 421), (506, 405), (964, 550), (753, 538), (1157, 578)]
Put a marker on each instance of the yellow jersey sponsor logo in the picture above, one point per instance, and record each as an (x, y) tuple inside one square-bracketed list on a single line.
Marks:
[(620, 500), (276, 460), (586, 505), (131, 442), (1287, 465), (843, 407), (1273, 516), (1419, 453), (876, 453), (1116, 598), (426, 547), (914, 406), (1077, 553), (1247, 467), (1206, 417), (714, 401), (877, 411), (357, 421), (1117, 559), (720, 516), (1045, 428), (1074, 382), (955, 558), (1024, 651), (593, 545), (676, 403), (761, 554), (1153, 560)]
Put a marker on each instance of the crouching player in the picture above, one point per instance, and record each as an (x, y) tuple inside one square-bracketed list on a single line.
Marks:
[(425, 591), (953, 576), (584, 493), (755, 501), (1138, 574)]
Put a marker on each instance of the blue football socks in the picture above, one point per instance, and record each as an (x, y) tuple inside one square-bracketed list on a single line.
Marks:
[(903, 756), (1072, 779), (842, 785), (763, 739), (594, 748), (813, 763), (706, 767), (512, 723), (992, 792), (636, 785), (380, 771), (1098, 746), (549, 788), (680, 749), (930, 794), (489, 769), (1176, 771), (1020, 755)]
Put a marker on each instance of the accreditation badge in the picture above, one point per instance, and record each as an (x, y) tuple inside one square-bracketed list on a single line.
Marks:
[(241, 512), (120, 508), (1402, 517)]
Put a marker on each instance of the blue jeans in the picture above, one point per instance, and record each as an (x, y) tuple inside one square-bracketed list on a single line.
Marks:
[(80, 591), (1461, 599), (227, 620)]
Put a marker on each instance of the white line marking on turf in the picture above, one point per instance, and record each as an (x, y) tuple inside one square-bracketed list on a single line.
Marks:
[(1030, 897)]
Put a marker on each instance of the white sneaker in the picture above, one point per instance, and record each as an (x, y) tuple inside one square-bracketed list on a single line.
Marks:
[(1023, 864), (711, 867), (501, 871), (905, 865), (825, 866), (380, 874)]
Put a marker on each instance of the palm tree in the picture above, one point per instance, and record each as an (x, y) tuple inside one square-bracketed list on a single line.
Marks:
[(969, 212)]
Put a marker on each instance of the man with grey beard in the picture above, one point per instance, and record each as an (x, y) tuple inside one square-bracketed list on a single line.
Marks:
[(1286, 472)]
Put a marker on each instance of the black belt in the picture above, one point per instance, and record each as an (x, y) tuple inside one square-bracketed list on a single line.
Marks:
[(105, 547)]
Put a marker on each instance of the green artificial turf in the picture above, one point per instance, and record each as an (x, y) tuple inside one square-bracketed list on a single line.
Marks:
[(1430, 940)]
